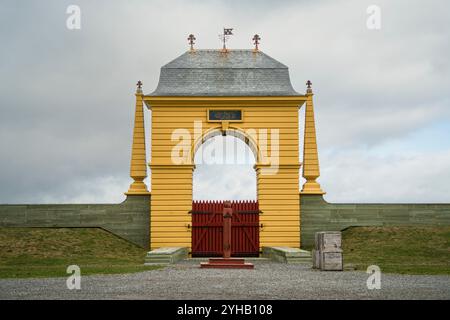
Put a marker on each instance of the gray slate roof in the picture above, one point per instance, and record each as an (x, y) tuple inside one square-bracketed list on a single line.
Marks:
[(214, 73)]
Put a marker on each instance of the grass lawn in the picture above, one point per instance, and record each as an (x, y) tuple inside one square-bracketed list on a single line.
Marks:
[(408, 250), (47, 252)]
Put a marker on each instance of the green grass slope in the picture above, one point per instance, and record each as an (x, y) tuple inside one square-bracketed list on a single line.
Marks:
[(408, 250), (47, 252)]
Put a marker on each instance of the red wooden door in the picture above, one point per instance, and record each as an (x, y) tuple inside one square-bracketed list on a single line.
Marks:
[(207, 229)]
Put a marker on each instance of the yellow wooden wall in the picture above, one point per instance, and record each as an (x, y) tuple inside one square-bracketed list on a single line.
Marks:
[(171, 185)]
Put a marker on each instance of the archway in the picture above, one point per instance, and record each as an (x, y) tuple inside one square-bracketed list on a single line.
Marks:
[(224, 166), (211, 92), (224, 170), (246, 136)]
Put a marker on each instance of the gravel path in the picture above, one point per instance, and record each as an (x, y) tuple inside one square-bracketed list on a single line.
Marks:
[(267, 281)]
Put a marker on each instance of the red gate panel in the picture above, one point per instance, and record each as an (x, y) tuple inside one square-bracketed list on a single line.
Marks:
[(207, 228)]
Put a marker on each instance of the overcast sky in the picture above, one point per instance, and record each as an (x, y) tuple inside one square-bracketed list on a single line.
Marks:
[(382, 97)]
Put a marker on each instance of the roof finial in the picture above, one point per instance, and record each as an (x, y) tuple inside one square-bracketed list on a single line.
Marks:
[(191, 39), (227, 32), (308, 86), (256, 39), (139, 86)]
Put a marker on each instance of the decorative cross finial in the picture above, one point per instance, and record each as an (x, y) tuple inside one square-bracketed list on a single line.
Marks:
[(191, 40), (227, 32), (256, 39), (308, 86), (139, 86)]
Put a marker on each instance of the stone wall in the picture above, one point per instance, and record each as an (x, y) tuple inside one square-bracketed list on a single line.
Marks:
[(128, 220), (319, 215)]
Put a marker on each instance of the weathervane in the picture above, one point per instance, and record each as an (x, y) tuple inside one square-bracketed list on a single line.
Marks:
[(256, 39), (308, 86), (139, 86), (227, 32), (191, 39)]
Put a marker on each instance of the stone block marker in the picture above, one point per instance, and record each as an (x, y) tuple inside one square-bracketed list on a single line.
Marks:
[(327, 253), (286, 254), (166, 255), (331, 261), (316, 258), (329, 240)]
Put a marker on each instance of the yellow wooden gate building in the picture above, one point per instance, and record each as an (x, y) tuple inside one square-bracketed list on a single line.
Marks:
[(244, 93)]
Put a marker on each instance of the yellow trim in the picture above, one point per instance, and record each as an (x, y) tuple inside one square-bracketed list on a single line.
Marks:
[(251, 101), (296, 165), (138, 193), (170, 165)]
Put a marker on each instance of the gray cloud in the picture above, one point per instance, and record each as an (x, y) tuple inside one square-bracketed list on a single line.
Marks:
[(66, 97)]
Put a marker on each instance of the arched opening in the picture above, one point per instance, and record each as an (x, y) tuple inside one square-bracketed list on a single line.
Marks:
[(224, 168)]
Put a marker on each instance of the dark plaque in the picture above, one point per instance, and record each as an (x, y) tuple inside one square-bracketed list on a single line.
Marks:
[(225, 115)]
